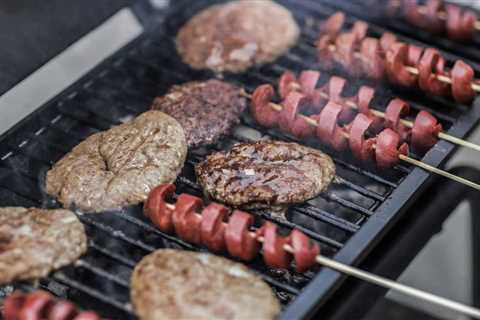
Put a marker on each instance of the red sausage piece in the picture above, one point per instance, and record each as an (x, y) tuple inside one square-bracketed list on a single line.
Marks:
[(432, 13), (462, 76), (460, 25), (327, 122), (372, 61), (335, 88), (12, 306), (289, 120), (387, 40), (414, 54), (396, 63), (361, 148), (62, 310), (431, 64), (412, 13), (156, 208), (87, 315), (186, 227), (274, 254), (239, 242), (359, 30), (387, 149), (333, 25), (213, 227), (287, 82), (291, 106), (308, 81), (324, 54), (395, 110), (34, 305), (425, 131), (260, 108), (344, 53), (304, 250)]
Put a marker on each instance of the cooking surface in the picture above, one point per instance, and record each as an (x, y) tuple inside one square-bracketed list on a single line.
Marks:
[(359, 209)]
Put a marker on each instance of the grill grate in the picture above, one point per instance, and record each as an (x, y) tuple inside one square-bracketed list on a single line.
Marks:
[(347, 220)]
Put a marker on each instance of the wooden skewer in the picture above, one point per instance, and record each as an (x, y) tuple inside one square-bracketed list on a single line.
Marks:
[(413, 70), (402, 157), (442, 14), (378, 280)]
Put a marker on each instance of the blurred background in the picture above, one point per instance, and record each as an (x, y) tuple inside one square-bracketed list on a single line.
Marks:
[(443, 267)]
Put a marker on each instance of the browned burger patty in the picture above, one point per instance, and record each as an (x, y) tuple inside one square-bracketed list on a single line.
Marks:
[(206, 110), (34, 242), (172, 284), (237, 35), (265, 174), (120, 166)]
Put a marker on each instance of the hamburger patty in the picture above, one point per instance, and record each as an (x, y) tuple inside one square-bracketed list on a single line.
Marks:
[(265, 174), (237, 35), (34, 242), (206, 110), (120, 166), (172, 284)]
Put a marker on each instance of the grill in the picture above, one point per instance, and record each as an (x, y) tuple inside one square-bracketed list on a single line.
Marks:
[(348, 220)]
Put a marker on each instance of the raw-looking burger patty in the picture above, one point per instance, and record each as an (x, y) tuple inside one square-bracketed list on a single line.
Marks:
[(119, 167), (206, 110), (265, 174), (34, 242), (172, 284), (237, 35)]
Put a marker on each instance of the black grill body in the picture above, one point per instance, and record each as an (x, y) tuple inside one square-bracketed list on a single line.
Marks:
[(349, 220)]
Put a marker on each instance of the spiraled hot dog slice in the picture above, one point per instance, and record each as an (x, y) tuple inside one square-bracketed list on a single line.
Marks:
[(396, 65), (432, 64), (388, 149), (372, 60), (462, 77), (333, 25), (260, 106), (460, 25), (397, 109), (41, 305), (361, 146), (432, 13), (425, 131), (265, 174), (172, 284)]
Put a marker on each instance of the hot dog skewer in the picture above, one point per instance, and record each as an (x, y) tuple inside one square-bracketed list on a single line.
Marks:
[(289, 82), (213, 227), (415, 71), (387, 147), (42, 305), (436, 18), (402, 64)]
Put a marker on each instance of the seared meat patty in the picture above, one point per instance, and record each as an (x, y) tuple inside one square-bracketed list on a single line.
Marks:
[(33, 242), (120, 166), (172, 284), (206, 110), (265, 174), (237, 35)]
